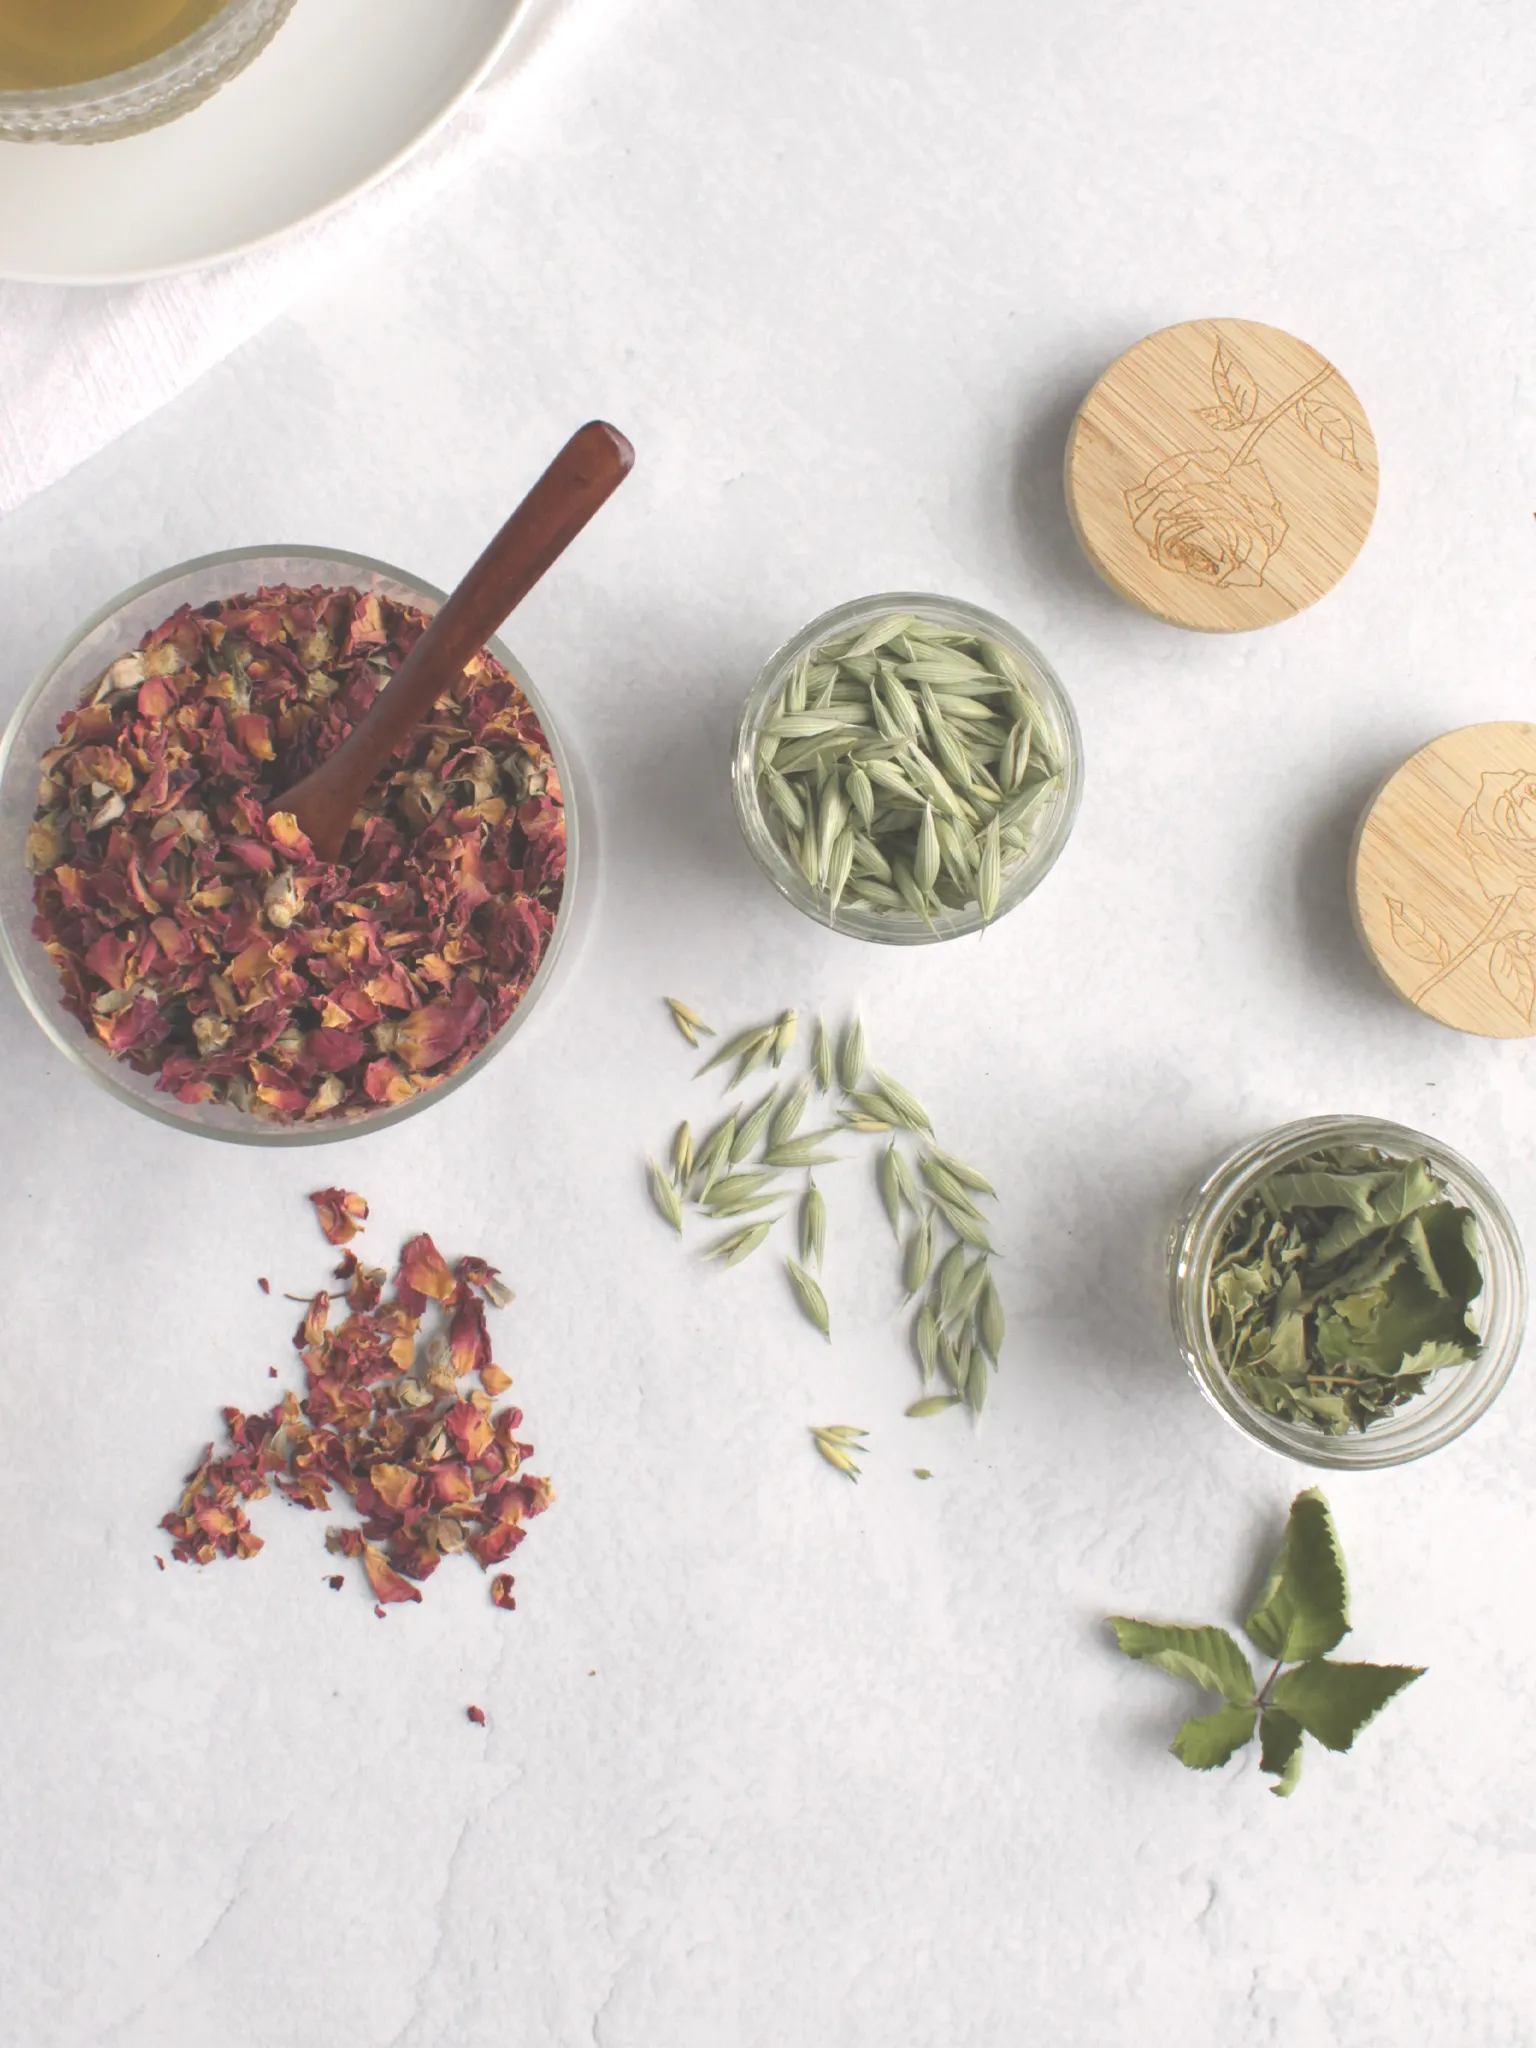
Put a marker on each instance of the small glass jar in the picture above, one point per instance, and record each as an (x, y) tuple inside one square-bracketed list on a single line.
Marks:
[(115, 629), (1455, 1397), (148, 94), (1051, 821)]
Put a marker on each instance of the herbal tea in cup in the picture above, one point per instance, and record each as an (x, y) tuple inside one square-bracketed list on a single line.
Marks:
[(46, 43)]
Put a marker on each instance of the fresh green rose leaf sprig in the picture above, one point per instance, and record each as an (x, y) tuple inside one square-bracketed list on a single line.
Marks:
[(1302, 1614)]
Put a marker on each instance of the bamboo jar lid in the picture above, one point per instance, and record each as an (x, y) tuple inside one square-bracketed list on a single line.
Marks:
[(1221, 475), (1443, 880)]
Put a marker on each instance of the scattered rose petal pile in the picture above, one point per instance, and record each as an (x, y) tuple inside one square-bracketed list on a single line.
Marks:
[(203, 941), (433, 1469)]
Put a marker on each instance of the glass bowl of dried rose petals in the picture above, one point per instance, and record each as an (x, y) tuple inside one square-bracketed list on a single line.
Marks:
[(185, 946)]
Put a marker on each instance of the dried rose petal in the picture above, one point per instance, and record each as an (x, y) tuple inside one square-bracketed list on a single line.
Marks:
[(477, 1715), (384, 1579), (501, 1591), (429, 1036), (341, 1215), (395, 1485), (469, 1342), (470, 1431), (423, 1274)]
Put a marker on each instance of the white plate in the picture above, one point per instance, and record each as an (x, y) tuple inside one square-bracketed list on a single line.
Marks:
[(344, 91)]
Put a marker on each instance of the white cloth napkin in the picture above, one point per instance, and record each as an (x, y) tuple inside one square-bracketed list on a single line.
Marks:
[(80, 365)]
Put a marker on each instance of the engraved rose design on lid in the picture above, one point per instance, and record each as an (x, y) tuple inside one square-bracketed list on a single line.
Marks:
[(1198, 515), (1214, 515), (1498, 831)]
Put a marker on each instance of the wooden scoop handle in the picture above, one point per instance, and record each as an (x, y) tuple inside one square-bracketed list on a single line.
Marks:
[(582, 477)]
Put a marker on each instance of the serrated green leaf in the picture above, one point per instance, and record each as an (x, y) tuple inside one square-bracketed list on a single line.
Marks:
[(1210, 1740), (1280, 1754), (1334, 1701), (1322, 1188), (1304, 1608), (1377, 1331), (1450, 1234), (1412, 1187), (1210, 1656), (1437, 1357)]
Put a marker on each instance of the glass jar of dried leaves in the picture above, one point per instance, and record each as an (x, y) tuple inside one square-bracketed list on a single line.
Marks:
[(1348, 1292), (907, 768)]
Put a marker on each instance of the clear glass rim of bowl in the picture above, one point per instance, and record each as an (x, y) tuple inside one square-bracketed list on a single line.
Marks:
[(903, 928), (142, 95), (1422, 1425), (65, 1031)]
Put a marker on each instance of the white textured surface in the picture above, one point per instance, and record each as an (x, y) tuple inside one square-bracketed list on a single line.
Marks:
[(772, 1760)]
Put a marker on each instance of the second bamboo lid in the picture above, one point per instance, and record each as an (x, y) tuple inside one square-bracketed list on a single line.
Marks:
[(1443, 880)]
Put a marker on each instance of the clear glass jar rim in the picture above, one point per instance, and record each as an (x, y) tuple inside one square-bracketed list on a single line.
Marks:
[(112, 85)]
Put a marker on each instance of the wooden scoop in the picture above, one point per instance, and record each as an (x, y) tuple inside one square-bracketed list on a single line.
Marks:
[(582, 477)]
